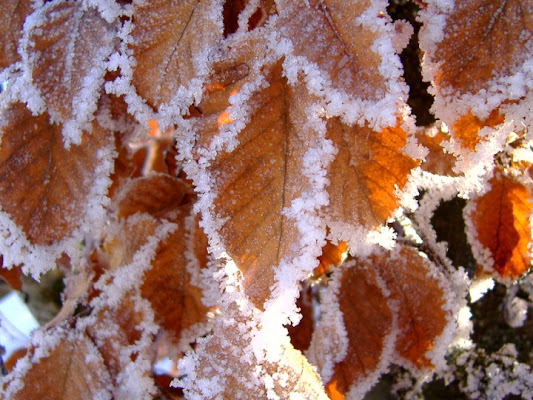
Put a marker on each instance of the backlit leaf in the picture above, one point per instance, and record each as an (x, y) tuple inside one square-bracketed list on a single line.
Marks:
[(499, 228), (367, 171)]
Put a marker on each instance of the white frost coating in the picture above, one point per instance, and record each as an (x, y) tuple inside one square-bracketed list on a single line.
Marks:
[(38, 259), (479, 286), (450, 106), (514, 308), (115, 283), (329, 344), (85, 97)]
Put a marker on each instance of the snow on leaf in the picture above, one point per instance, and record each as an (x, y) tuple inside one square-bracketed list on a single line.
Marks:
[(365, 175), (47, 191), (73, 369), (498, 227), (170, 42), (437, 161), (11, 20), (67, 65)]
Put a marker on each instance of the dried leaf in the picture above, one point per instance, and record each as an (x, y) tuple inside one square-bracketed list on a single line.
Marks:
[(10, 276), (67, 64), (482, 40), (159, 195), (394, 308), (258, 179), (11, 20), (498, 227), (72, 370), (44, 187), (331, 257), (437, 161), (336, 41), (224, 365), (170, 42), (366, 173), (466, 129), (420, 292), (167, 285)]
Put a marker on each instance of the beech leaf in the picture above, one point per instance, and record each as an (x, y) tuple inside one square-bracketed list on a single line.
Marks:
[(170, 43), (11, 21), (47, 190), (77, 43), (498, 227)]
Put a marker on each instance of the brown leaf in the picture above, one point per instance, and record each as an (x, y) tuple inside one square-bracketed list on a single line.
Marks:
[(168, 37), (334, 40), (399, 286), (10, 276), (417, 288), (258, 179), (167, 285), (482, 40), (67, 63), (437, 161), (365, 174), (499, 228), (159, 195), (368, 322), (72, 370), (301, 334), (43, 186), (11, 19)]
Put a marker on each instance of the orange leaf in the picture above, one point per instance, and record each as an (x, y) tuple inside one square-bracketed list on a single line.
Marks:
[(466, 129), (499, 228), (437, 160), (367, 171), (331, 257)]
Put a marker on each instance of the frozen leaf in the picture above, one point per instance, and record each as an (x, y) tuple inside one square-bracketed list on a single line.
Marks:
[(301, 334), (167, 284), (259, 179), (422, 296), (67, 65), (170, 42), (368, 323), (11, 20), (156, 194), (47, 190), (365, 175), (395, 309), (11, 276), (437, 161), (72, 370), (466, 129), (223, 364), (498, 227), (476, 54), (335, 35)]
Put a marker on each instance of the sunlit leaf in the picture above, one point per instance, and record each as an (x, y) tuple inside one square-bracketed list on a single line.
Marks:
[(499, 227), (366, 173)]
